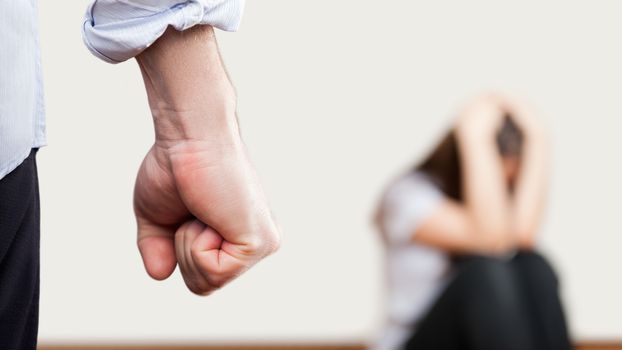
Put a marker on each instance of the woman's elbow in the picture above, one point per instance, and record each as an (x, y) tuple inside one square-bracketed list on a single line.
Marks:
[(526, 239)]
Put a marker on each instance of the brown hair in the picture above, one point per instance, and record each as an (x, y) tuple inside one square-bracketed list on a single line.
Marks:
[(443, 164)]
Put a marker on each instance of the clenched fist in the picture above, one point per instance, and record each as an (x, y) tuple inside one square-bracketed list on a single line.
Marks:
[(197, 200), (200, 206)]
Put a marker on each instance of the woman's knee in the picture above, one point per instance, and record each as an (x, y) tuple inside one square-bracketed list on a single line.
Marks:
[(488, 279), (534, 266), (476, 266)]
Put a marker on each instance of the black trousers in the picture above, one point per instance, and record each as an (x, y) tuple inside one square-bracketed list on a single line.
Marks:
[(496, 304), (19, 257)]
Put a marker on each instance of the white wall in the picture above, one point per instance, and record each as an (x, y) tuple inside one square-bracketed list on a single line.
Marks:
[(336, 97)]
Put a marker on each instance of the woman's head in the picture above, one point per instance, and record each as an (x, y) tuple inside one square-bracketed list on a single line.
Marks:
[(510, 145), (444, 168)]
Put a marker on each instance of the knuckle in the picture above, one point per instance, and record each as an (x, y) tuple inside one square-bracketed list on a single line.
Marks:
[(199, 288), (274, 243), (218, 282), (253, 244), (200, 291), (264, 243), (192, 286)]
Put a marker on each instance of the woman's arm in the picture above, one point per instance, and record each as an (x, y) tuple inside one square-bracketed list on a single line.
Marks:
[(485, 195), (531, 186), (482, 222)]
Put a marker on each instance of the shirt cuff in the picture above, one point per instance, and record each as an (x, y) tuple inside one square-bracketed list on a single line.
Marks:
[(117, 30)]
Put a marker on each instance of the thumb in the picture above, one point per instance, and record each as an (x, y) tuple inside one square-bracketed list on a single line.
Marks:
[(157, 248)]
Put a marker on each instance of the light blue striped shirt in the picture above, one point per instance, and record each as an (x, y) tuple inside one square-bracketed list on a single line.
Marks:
[(22, 120), (113, 30)]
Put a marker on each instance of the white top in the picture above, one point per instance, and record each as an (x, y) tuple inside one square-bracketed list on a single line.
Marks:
[(114, 30), (416, 273)]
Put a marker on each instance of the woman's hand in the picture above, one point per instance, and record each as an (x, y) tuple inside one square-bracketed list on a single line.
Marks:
[(482, 116), (529, 197), (524, 115), (486, 201)]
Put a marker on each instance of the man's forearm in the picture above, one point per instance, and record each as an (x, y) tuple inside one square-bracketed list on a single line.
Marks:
[(190, 94)]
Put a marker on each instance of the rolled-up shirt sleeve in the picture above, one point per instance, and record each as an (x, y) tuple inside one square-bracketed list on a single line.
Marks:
[(117, 30)]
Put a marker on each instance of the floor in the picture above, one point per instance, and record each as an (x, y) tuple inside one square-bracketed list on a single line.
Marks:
[(583, 346)]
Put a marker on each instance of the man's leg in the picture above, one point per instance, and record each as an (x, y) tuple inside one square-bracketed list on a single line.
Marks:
[(19, 257)]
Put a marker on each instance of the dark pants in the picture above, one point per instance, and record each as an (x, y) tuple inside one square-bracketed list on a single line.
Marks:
[(495, 304), (19, 257)]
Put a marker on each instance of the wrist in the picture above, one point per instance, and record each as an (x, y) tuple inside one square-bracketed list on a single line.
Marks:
[(189, 92), (211, 121), (475, 133)]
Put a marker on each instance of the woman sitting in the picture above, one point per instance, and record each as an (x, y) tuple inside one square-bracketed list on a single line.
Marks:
[(460, 231)]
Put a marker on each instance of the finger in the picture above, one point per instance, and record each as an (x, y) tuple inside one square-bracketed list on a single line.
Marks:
[(516, 105), (220, 190), (182, 260), (212, 256), (524, 114), (157, 249), (195, 280)]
